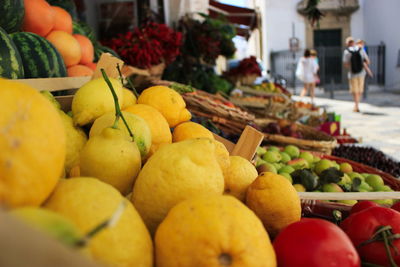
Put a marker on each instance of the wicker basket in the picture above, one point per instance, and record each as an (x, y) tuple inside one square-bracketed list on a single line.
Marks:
[(317, 208), (314, 140)]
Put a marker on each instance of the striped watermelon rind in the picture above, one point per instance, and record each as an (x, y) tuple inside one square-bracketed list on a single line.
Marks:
[(10, 60), (11, 15), (100, 49), (39, 57), (84, 29)]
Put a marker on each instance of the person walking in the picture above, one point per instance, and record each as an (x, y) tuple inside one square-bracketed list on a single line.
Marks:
[(306, 71), (353, 60), (361, 44)]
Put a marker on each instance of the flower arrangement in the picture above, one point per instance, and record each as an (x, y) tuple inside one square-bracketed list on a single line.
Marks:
[(147, 46), (247, 66)]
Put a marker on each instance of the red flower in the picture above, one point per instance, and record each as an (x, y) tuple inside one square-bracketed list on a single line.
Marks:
[(150, 45)]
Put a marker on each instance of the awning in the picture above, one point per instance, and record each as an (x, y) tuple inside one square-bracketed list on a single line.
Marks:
[(244, 19)]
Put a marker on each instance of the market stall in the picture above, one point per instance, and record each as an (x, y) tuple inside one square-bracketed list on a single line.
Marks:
[(146, 156)]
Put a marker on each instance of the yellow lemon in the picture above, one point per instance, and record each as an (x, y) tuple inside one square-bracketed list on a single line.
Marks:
[(111, 157), (188, 130), (213, 231), (32, 145), (222, 155), (176, 172), (239, 175), (160, 132), (138, 126), (168, 102), (94, 99), (275, 201), (87, 202), (129, 98), (76, 139)]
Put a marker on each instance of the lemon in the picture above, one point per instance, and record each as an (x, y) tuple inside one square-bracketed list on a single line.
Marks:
[(168, 102), (47, 221), (32, 145), (138, 126), (213, 231), (222, 155), (94, 99), (87, 202), (240, 174), (129, 99), (111, 157), (160, 132), (188, 130), (275, 201), (174, 173), (76, 139)]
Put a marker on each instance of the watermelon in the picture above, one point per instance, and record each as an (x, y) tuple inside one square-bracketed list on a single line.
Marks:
[(10, 61), (68, 5), (83, 29), (39, 57), (11, 15), (100, 49)]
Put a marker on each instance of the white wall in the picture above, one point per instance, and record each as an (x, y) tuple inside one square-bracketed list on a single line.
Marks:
[(381, 22), (278, 18), (357, 22)]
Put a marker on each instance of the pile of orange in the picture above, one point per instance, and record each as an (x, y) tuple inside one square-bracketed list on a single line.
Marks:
[(55, 24)]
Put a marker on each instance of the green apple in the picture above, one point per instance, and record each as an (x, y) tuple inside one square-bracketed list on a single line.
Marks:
[(298, 163), (383, 188), (261, 151), (322, 165), (272, 156), (346, 167), (356, 174), (374, 180), (331, 187), (385, 202), (287, 169), (273, 148), (292, 151), (285, 158), (266, 167), (260, 161), (307, 156)]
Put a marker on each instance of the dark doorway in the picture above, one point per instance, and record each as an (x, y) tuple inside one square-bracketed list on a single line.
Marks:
[(328, 44)]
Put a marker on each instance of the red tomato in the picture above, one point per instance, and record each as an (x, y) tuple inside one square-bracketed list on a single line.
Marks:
[(314, 243), (361, 205), (396, 206), (362, 226)]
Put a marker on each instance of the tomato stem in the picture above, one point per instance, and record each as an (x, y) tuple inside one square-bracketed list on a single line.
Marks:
[(384, 234), (118, 112)]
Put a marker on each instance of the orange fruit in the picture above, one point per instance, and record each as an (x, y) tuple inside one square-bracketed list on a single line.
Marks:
[(62, 20), (86, 48), (79, 70), (91, 65), (67, 45), (39, 17)]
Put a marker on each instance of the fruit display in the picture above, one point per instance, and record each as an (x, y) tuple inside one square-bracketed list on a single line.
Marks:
[(369, 156), (44, 39), (123, 189), (283, 127), (310, 173), (11, 61), (40, 58)]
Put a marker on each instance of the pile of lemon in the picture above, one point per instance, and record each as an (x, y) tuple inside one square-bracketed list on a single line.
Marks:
[(170, 198)]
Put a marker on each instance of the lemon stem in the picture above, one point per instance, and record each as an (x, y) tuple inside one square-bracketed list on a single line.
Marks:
[(118, 112), (128, 80), (108, 223)]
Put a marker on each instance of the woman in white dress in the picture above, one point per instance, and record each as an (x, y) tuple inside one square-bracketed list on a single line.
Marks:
[(307, 69)]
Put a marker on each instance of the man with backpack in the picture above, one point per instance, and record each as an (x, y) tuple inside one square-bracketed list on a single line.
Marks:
[(353, 60)]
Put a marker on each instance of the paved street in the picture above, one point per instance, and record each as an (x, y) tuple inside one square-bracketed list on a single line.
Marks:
[(378, 124)]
